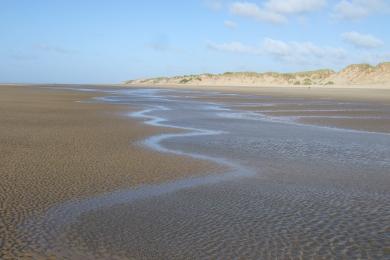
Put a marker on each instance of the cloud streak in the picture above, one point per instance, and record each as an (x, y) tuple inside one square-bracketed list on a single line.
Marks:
[(294, 52), (294, 6), (302, 52), (275, 11), (358, 9), (253, 11), (365, 41)]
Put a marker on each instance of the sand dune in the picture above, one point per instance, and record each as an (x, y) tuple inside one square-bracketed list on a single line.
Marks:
[(356, 75)]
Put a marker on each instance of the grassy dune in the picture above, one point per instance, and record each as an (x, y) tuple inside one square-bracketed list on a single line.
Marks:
[(356, 74)]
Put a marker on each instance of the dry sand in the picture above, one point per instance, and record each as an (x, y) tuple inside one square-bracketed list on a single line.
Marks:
[(53, 149)]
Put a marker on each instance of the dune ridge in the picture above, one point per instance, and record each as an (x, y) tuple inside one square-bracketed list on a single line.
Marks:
[(352, 75)]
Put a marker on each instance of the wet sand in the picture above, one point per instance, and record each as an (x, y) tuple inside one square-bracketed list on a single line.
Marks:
[(346, 112), (338, 93), (55, 149), (288, 189)]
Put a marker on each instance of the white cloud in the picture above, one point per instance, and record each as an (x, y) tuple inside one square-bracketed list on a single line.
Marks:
[(252, 10), (358, 9), (275, 11), (293, 52), (294, 6), (276, 47), (234, 47), (359, 40), (230, 24), (302, 52)]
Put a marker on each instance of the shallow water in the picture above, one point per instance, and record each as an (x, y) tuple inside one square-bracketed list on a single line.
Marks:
[(290, 190)]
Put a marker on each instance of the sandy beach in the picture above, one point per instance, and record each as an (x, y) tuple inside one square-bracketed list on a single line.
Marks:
[(151, 173), (54, 148)]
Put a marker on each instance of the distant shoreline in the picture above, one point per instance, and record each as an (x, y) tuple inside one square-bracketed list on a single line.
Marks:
[(363, 94), (238, 87), (207, 87), (353, 76)]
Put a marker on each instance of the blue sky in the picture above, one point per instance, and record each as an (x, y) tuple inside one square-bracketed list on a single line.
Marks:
[(96, 41)]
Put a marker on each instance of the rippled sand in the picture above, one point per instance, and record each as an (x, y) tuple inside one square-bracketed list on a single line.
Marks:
[(294, 190), (264, 220), (54, 149)]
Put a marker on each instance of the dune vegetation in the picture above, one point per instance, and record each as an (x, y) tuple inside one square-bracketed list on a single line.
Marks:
[(356, 74)]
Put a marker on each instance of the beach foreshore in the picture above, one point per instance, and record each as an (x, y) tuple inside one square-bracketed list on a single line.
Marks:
[(54, 148), (313, 189), (369, 93), (67, 156)]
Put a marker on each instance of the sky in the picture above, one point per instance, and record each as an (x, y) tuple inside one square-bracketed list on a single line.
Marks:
[(110, 41)]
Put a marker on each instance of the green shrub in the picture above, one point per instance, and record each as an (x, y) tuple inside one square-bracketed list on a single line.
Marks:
[(184, 81), (307, 82)]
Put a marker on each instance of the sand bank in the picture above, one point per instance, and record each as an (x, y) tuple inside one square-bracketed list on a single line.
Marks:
[(339, 92)]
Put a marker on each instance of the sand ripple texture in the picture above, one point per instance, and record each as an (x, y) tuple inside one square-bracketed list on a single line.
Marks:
[(54, 149), (244, 220), (316, 190)]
